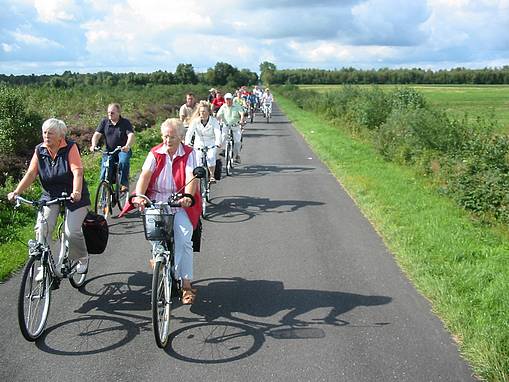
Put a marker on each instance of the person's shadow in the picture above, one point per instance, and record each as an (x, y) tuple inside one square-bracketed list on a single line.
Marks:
[(227, 298)]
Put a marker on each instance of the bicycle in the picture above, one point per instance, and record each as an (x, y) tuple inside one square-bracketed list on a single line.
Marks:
[(205, 181), (109, 192), (228, 152), (158, 228), (40, 275), (267, 110)]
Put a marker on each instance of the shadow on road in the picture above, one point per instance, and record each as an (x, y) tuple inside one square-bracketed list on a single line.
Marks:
[(236, 315), (235, 209)]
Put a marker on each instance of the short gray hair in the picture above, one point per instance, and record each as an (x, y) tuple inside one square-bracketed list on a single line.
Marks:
[(55, 125), (177, 123)]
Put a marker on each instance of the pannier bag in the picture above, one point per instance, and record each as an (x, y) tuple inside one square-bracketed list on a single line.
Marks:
[(197, 237), (217, 170), (96, 232)]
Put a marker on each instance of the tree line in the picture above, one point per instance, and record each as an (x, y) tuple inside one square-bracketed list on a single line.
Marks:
[(222, 74), (487, 76)]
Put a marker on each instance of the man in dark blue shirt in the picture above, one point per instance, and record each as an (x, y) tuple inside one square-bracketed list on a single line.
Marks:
[(117, 131)]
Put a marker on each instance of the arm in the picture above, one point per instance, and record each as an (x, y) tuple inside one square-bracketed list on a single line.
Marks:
[(77, 184), (143, 180), (27, 180), (95, 140), (129, 143), (190, 133)]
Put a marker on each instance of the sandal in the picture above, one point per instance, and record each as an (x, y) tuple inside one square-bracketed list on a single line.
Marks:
[(188, 296)]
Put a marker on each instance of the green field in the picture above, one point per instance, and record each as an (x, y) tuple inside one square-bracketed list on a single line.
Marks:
[(485, 101)]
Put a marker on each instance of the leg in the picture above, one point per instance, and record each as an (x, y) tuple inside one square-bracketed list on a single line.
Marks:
[(123, 164), (183, 230), (46, 223), (237, 135), (74, 220), (211, 163), (103, 168)]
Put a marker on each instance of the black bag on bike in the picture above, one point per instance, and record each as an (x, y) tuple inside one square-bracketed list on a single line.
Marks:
[(218, 169), (96, 232), (197, 237)]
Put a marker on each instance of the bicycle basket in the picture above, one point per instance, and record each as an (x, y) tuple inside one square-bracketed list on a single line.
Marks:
[(157, 224)]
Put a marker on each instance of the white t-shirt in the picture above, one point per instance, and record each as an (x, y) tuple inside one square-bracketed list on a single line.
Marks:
[(208, 135), (165, 186)]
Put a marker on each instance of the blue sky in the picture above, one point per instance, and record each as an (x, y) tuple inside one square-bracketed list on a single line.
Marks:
[(51, 36)]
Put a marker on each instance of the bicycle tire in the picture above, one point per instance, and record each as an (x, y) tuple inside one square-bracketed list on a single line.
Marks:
[(228, 158), (33, 329), (204, 198), (121, 197), (161, 303), (103, 199), (78, 279)]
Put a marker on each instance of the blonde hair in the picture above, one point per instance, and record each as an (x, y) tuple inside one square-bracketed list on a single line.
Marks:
[(176, 123), (55, 125), (115, 105), (196, 113)]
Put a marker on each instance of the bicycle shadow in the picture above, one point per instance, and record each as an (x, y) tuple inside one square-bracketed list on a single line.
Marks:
[(263, 170), (235, 209), (236, 315), (111, 317)]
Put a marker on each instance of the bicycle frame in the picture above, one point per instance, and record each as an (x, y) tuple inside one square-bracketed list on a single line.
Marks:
[(108, 195)]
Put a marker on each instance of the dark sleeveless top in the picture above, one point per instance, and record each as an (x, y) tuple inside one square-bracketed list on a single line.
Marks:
[(56, 176)]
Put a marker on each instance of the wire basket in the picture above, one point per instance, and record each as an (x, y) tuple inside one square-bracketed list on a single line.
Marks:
[(157, 224)]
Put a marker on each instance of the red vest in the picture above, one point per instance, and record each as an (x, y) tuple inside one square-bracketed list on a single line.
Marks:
[(178, 170)]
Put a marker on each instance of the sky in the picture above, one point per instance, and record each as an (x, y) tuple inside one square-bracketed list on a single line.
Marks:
[(88, 36)]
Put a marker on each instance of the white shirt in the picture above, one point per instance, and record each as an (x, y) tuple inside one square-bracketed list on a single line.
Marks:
[(208, 135), (164, 185)]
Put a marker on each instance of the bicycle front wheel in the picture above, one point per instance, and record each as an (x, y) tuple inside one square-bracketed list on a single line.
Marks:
[(34, 299), (229, 158), (103, 199), (161, 304), (204, 195), (78, 279)]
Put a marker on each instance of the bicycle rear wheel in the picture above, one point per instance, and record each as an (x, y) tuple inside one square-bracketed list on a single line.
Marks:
[(161, 304), (103, 199), (121, 197), (34, 299)]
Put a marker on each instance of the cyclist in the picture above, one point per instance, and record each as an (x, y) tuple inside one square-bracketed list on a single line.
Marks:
[(57, 163), (259, 93), (207, 132), (217, 102), (186, 110), (232, 116), (212, 95), (167, 169), (267, 99), (117, 131)]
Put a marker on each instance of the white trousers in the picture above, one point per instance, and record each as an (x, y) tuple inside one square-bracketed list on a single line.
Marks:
[(47, 220), (211, 157), (237, 135)]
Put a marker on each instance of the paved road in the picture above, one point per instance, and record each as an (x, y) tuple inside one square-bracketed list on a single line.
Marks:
[(294, 284)]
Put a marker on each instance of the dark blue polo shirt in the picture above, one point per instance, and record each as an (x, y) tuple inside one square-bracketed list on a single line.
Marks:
[(115, 135)]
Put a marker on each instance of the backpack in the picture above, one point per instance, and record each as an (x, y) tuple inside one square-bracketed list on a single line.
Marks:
[(96, 232)]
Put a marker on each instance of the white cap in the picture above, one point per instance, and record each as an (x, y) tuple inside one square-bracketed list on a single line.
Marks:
[(228, 95)]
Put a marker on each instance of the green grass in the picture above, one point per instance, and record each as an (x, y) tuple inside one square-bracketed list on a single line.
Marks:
[(462, 267), (13, 255), (484, 101)]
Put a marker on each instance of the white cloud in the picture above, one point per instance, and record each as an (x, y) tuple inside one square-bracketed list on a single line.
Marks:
[(8, 48), (29, 39), (50, 11)]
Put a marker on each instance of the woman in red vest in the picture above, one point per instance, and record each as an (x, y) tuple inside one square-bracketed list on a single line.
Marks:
[(167, 169)]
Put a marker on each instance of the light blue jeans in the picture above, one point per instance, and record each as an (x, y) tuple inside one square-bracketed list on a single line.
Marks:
[(123, 163)]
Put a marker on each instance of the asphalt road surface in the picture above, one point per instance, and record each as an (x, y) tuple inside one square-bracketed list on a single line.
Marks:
[(293, 285)]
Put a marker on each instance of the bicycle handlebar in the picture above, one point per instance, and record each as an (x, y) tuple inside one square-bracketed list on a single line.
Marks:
[(173, 200), (116, 150), (40, 203)]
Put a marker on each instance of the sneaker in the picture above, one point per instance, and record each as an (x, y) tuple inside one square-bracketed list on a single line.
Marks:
[(212, 180), (123, 188), (82, 266)]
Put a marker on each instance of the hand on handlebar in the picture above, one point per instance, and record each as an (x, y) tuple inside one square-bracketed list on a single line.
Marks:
[(186, 201), (11, 196)]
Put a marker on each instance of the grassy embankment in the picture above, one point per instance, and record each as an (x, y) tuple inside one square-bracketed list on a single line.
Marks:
[(462, 267), (457, 100)]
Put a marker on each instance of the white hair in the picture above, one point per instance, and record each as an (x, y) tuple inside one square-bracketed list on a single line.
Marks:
[(177, 124), (56, 125)]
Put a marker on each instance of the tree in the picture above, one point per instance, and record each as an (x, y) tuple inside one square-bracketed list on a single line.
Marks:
[(184, 74), (267, 70)]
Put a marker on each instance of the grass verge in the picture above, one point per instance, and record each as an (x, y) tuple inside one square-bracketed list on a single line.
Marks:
[(13, 255), (459, 265)]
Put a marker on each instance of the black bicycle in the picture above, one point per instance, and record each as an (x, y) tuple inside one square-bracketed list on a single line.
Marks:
[(40, 275), (110, 192)]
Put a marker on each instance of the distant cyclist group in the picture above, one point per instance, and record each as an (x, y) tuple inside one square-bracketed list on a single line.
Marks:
[(204, 130)]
